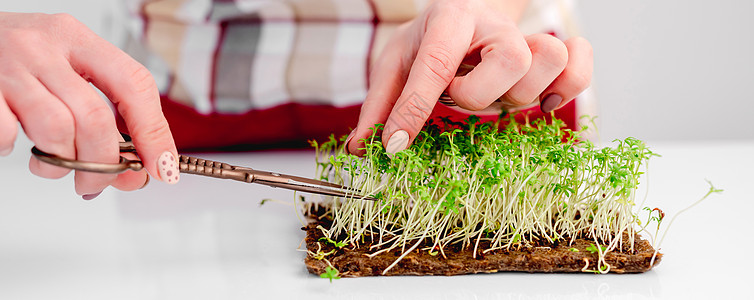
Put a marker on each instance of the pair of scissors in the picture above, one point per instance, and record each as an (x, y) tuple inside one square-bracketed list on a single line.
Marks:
[(198, 166)]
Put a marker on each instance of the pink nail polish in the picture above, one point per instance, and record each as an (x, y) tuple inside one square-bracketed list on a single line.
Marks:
[(550, 103), (168, 168), (90, 196)]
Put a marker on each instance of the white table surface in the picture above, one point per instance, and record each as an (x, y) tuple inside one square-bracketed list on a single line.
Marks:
[(209, 239)]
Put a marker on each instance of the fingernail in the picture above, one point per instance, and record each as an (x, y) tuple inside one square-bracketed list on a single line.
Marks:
[(168, 167), (90, 196), (145, 183), (6, 152), (348, 140), (550, 102), (397, 142)]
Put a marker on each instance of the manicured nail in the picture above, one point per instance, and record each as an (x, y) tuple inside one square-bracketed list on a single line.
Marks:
[(397, 142), (550, 102), (145, 183), (168, 166), (348, 140), (90, 196), (6, 152)]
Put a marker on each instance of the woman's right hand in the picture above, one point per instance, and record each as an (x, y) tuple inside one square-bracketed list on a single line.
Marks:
[(422, 58), (46, 65)]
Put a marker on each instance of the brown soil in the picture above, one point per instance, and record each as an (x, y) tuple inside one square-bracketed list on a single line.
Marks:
[(555, 258)]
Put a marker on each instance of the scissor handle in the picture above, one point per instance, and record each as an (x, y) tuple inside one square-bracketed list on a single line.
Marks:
[(205, 167), (124, 164), (187, 164)]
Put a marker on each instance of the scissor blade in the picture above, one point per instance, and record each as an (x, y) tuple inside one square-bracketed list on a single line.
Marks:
[(320, 190), (307, 185)]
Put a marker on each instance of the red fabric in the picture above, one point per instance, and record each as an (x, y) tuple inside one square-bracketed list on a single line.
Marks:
[(288, 125)]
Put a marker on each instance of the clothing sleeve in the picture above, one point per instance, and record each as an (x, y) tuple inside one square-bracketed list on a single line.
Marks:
[(263, 73)]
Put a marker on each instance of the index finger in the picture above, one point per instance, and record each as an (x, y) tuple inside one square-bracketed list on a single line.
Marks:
[(130, 86), (446, 40)]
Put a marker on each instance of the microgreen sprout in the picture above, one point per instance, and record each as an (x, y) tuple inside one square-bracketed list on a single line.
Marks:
[(573, 250), (593, 249), (320, 255), (602, 269), (484, 187), (712, 190), (330, 273), (338, 244)]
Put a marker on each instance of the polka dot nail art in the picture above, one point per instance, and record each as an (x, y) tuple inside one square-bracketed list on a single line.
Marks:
[(168, 167)]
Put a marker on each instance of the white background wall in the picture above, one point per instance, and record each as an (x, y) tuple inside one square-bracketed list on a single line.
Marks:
[(672, 70), (664, 70)]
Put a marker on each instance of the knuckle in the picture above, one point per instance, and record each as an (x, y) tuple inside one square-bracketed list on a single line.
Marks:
[(25, 48), (69, 30), (64, 20), (97, 117), (411, 112), (515, 99), (471, 102), (59, 127), (420, 110), (141, 83), (438, 60), (517, 60), (579, 73), (550, 49), (22, 38), (475, 105), (156, 129), (578, 80)]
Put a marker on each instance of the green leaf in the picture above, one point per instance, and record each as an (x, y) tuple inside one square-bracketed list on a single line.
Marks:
[(338, 244), (330, 273), (593, 249)]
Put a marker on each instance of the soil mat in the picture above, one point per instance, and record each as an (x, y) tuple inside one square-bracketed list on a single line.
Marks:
[(559, 258)]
